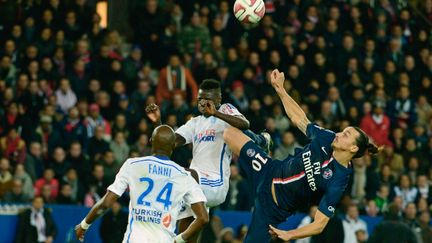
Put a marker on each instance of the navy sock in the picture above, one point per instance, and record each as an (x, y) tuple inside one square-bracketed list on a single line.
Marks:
[(257, 138)]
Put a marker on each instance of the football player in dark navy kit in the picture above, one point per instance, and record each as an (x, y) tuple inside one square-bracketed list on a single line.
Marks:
[(316, 174)]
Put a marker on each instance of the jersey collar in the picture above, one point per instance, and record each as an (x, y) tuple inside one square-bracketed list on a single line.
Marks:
[(162, 157)]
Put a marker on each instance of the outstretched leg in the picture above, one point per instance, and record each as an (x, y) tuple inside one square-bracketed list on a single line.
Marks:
[(235, 139)]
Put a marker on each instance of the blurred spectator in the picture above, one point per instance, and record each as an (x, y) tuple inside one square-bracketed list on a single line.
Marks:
[(142, 145), (391, 229), (78, 160), (34, 163), (65, 195), (47, 136), (98, 181), (174, 77), (47, 179), (36, 224), (352, 223), (402, 109), (238, 197), (377, 124), (75, 184), (66, 97), (424, 187), (110, 165), (119, 148), (237, 96), (97, 144), (16, 195), (91, 196), (256, 116), (96, 119), (195, 37), (6, 179), (406, 190), (371, 209), (361, 236), (73, 129), (58, 163), (426, 230), (178, 107), (288, 146), (410, 218), (120, 125), (13, 147), (382, 198), (113, 224), (392, 159), (26, 180), (365, 181)]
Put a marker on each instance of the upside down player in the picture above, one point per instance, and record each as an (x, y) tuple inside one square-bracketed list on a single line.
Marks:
[(158, 187), (318, 172)]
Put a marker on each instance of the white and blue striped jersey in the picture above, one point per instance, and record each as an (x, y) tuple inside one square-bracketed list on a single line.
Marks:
[(158, 189), (211, 157)]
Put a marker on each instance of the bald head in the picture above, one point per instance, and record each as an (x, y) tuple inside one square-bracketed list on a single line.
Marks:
[(163, 140)]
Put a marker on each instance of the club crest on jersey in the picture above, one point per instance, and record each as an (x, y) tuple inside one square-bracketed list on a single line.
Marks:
[(250, 152), (328, 173)]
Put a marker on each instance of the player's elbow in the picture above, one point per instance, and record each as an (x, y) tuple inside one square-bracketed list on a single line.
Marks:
[(244, 125), (203, 219)]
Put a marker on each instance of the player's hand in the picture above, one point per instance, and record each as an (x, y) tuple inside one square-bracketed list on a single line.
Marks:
[(281, 234), (153, 113), (277, 79), (209, 108), (79, 232)]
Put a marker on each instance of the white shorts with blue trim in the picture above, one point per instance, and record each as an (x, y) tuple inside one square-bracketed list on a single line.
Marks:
[(215, 190)]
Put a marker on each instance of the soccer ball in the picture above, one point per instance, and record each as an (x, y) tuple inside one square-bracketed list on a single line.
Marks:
[(249, 11)]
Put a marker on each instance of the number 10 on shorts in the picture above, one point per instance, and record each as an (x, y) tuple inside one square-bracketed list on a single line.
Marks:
[(258, 162)]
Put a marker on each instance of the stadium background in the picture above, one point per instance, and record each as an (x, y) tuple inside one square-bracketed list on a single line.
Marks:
[(76, 75)]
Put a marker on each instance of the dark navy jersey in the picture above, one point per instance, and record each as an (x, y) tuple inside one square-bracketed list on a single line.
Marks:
[(311, 175)]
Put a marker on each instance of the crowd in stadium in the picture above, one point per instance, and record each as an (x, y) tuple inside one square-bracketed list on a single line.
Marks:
[(73, 94)]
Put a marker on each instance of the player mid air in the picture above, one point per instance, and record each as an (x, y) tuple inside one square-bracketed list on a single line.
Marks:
[(158, 187), (211, 157), (319, 172)]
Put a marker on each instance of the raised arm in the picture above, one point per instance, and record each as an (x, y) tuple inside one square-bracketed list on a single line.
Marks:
[(237, 121), (153, 113), (316, 227), (292, 109)]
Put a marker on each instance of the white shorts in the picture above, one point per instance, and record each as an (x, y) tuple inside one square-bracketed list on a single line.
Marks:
[(215, 195)]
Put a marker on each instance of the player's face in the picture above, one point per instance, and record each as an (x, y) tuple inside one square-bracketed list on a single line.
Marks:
[(208, 95), (346, 140)]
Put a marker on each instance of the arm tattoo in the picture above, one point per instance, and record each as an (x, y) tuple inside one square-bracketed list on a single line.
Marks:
[(302, 125)]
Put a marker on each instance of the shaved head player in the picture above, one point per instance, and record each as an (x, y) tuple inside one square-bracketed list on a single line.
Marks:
[(158, 187), (317, 173)]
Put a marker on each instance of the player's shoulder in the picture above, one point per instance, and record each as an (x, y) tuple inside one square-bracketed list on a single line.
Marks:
[(228, 108)]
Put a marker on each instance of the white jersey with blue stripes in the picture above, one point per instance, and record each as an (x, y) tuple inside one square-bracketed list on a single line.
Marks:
[(211, 157), (158, 189)]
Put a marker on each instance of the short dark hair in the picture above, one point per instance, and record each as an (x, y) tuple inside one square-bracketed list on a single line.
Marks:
[(364, 145), (208, 84)]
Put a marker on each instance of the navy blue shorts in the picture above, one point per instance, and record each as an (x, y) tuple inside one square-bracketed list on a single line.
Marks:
[(258, 168)]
